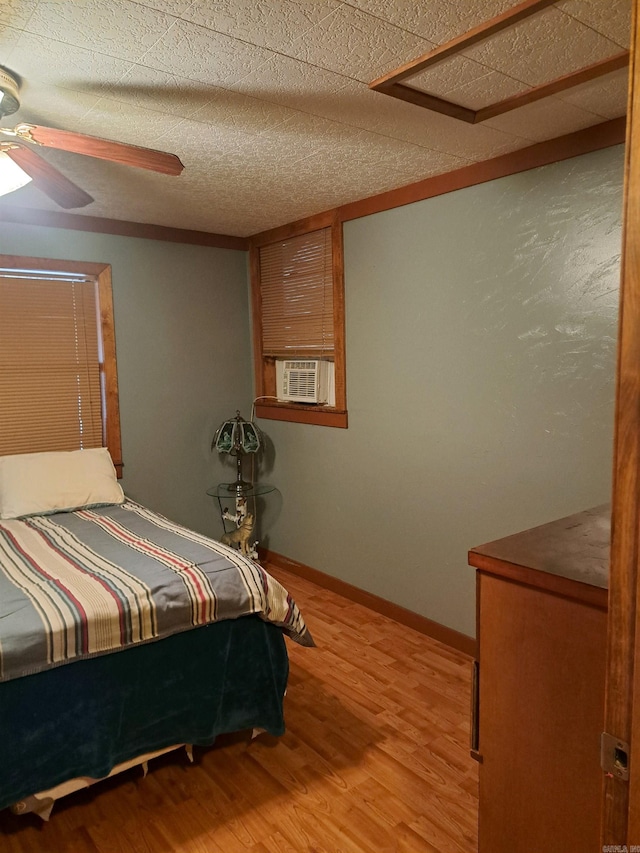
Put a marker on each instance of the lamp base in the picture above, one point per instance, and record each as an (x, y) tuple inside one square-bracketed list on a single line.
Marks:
[(240, 486)]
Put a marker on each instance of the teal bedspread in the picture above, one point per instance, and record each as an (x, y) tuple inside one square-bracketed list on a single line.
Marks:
[(83, 718), (122, 633)]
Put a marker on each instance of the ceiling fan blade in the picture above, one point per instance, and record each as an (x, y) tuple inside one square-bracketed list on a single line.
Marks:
[(105, 149), (48, 179)]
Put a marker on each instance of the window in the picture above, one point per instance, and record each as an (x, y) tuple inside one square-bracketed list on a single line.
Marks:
[(298, 313), (58, 377)]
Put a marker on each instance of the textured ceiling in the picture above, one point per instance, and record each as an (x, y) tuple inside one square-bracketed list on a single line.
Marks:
[(267, 103)]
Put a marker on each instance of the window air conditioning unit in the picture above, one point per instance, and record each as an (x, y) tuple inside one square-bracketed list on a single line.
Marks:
[(305, 381)]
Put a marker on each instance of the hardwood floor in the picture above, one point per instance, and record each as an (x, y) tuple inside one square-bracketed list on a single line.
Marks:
[(375, 758)]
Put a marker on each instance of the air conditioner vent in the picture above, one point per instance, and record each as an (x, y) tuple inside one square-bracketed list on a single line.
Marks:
[(305, 381)]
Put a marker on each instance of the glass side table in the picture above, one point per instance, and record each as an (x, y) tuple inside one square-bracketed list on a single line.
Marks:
[(239, 513)]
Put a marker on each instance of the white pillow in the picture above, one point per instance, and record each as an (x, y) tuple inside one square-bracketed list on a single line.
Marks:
[(39, 483)]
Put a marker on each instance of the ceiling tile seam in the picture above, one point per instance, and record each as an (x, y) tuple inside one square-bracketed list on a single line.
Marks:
[(189, 7), (184, 119), (232, 38), (51, 40), (100, 53), (477, 62), (264, 131), (272, 50), (508, 75), (106, 97), (61, 85), (86, 112), (599, 116), (11, 28), (15, 44), (557, 97), (139, 61), (318, 22), (365, 133), (587, 110), (268, 131), (589, 27), (364, 13), (217, 32), (433, 44), (528, 86), (194, 3), (25, 28), (462, 161), (175, 20), (155, 8), (294, 59), (113, 96), (506, 134)]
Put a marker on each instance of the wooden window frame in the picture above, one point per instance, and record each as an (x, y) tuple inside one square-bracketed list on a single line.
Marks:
[(102, 274), (332, 416)]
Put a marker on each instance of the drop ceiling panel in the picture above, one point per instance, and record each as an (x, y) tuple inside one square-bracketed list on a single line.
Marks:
[(8, 40), (45, 104), (356, 45), (356, 105), (115, 27), (612, 19), (327, 94), (606, 96), (200, 54), (273, 24), (43, 60), (173, 7), (465, 82), (200, 145), (293, 84), (16, 13), (267, 101), (152, 89), (306, 135), (534, 51), (228, 109), (436, 22), (127, 123), (540, 120)]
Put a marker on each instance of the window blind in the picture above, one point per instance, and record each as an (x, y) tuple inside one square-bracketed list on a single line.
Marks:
[(296, 291), (50, 382)]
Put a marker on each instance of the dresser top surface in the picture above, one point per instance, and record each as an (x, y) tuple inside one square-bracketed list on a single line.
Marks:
[(575, 548)]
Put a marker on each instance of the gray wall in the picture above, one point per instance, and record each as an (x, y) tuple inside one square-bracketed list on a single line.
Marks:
[(480, 359), (184, 358), (481, 332)]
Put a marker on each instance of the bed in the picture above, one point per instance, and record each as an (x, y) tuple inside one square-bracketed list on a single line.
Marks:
[(122, 634)]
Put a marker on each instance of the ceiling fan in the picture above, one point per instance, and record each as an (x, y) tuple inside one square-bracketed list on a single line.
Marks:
[(18, 145)]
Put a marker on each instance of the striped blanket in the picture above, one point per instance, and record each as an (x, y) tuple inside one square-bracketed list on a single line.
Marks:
[(79, 584)]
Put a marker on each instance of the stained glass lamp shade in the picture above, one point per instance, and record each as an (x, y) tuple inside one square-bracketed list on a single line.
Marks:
[(237, 437)]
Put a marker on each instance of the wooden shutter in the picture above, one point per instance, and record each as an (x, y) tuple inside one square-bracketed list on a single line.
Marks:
[(296, 290), (50, 383)]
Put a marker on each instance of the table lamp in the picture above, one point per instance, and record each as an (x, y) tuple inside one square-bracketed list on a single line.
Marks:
[(237, 437)]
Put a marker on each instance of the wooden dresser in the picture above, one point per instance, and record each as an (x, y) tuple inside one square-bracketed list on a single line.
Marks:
[(538, 715)]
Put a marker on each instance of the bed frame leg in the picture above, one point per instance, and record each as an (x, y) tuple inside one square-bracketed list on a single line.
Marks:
[(42, 808)]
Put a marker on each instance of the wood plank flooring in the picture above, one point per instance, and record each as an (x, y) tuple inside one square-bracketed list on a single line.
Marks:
[(375, 758)]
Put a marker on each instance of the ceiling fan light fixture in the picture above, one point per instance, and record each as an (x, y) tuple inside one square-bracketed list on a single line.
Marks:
[(9, 99), (12, 177)]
